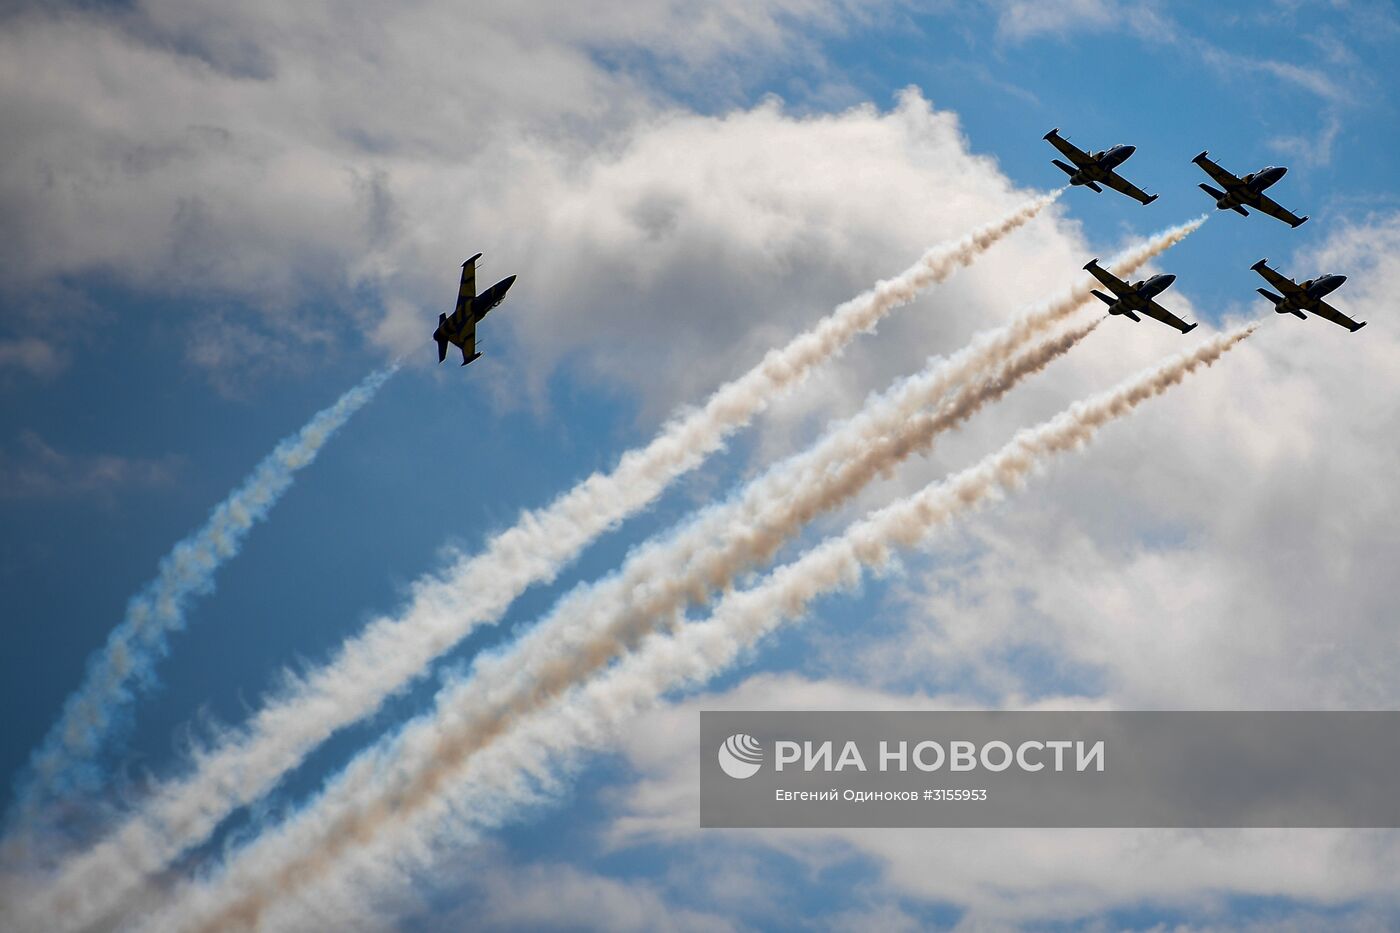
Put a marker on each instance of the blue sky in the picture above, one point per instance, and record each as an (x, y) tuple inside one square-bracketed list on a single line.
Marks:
[(149, 363)]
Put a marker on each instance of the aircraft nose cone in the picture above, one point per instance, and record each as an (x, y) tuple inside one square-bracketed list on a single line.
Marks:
[(1168, 279), (1339, 279), (1129, 150)]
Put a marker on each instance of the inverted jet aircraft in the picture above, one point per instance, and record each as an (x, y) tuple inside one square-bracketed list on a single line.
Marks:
[(1092, 170), (1248, 191), (1130, 300), (459, 328), (1307, 296)]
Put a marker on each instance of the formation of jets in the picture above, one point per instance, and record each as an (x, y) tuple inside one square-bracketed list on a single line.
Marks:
[(1096, 170), (1092, 170)]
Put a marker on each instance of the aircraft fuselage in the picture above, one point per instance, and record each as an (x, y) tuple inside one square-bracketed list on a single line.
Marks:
[(1251, 185), (473, 309), (1323, 285), (1101, 165), (1313, 291), (1141, 293)]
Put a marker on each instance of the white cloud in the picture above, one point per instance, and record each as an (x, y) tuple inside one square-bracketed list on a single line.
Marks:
[(1228, 547), (678, 259), (553, 896), (999, 879), (1225, 548), (321, 160)]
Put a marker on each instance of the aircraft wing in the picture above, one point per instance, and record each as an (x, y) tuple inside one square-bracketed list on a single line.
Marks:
[(1154, 310), (1115, 284), (466, 339), (1278, 280), (467, 290), (1222, 177), (1119, 183), (1267, 205), (1072, 152), (1323, 310)]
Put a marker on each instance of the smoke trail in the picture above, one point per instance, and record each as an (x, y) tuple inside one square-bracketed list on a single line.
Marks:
[(476, 590), (589, 628), (430, 763), (66, 760), (591, 625)]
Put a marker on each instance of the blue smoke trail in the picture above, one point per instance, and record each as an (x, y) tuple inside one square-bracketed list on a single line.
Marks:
[(66, 761)]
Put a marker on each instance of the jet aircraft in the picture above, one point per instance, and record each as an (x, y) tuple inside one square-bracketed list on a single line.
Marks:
[(1129, 300), (1248, 191), (1307, 296), (459, 328), (1092, 170)]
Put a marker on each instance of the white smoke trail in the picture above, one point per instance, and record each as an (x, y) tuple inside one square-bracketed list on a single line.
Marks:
[(591, 625), (476, 590), (585, 629), (65, 762), (420, 785)]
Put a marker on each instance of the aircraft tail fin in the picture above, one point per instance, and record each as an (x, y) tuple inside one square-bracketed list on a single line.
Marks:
[(1241, 211), (1102, 297), (1301, 220), (1127, 314), (1067, 169), (1150, 199), (1213, 192), (1276, 299), (441, 340), (470, 359), (1093, 187), (1190, 327), (1357, 326)]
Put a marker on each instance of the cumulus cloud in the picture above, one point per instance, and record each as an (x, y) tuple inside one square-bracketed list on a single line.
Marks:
[(313, 166), (997, 879), (314, 176), (553, 896), (1228, 549), (1242, 569), (704, 240)]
